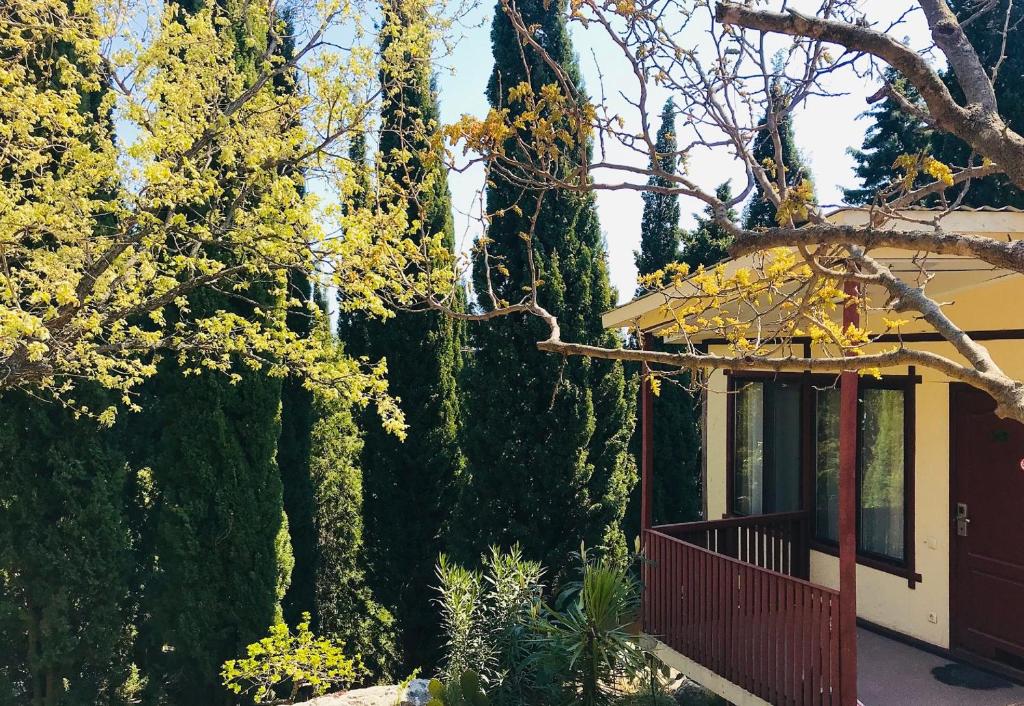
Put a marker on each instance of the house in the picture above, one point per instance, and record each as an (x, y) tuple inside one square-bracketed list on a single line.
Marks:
[(912, 473)]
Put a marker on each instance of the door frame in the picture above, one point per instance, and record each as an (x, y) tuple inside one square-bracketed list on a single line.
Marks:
[(955, 389)]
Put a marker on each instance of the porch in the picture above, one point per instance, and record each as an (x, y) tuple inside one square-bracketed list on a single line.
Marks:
[(729, 598)]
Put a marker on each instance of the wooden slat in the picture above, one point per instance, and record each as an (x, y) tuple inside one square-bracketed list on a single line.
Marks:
[(772, 634)]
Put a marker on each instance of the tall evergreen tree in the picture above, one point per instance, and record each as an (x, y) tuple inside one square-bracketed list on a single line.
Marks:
[(760, 212), (66, 560), (345, 606), (294, 456), (319, 455), (894, 133), (676, 472), (708, 243), (298, 416), (548, 438), (217, 543), (891, 134), (659, 229), (409, 485), (66, 569), (986, 36)]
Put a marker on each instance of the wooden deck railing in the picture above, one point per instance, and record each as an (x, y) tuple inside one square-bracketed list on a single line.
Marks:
[(774, 635), (779, 542)]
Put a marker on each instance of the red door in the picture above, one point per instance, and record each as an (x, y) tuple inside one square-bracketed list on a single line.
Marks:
[(988, 529)]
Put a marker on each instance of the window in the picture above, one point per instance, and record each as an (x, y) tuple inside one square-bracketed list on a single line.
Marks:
[(771, 417), (881, 470), (766, 449)]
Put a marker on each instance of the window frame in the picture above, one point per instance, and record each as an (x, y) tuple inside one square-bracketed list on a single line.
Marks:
[(808, 409)]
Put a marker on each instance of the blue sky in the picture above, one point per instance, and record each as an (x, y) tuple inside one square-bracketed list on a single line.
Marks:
[(824, 130)]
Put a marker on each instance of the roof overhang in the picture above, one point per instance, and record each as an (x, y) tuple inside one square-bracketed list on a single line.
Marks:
[(949, 274)]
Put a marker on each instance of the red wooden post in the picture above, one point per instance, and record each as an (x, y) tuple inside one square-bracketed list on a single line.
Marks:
[(646, 440), (848, 519)]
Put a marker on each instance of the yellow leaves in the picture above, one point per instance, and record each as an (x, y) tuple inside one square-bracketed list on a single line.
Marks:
[(626, 8), (297, 660), (939, 171), (911, 165), (672, 274), (796, 204), (108, 244), (486, 136), (520, 92), (655, 384), (760, 308), (547, 122)]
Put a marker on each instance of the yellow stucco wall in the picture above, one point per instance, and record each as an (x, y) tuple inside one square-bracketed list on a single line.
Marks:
[(885, 599)]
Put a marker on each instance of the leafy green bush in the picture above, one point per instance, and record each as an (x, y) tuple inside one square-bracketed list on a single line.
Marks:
[(587, 635), (290, 663), (486, 616), (580, 650)]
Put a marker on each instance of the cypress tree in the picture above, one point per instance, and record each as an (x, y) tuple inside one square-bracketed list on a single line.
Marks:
[(548, 439), (294, 445), (294, 456), (891, 134), (659, 229), (409, 485), (66, 562), (676, 472), (345, 606), (708, 243), (319, 454), (760, 212), (217, 544)]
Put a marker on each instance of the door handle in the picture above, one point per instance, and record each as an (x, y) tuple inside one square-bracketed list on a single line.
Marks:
[(962, 520)]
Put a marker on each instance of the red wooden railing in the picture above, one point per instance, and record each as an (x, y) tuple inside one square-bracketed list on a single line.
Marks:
[(774, 635), (778, 542)]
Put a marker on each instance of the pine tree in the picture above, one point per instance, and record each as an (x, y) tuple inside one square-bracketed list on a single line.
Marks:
[(66, 562), (708, 243), (676, 472), (547, 437), (760, 212), (986, 36), (409, 486), (891, 134), (218, 550), (894, 133)]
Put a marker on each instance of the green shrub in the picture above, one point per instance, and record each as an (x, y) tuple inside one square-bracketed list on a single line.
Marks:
[(286, 663), (587, 635), (580, 650), (485, 616)]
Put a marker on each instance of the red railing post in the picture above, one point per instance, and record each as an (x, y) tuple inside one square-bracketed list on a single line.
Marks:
[(848, 516), (646, 440)]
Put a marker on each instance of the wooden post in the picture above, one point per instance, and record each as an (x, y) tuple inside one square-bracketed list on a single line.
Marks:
[(646, 440), (848, 519)]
